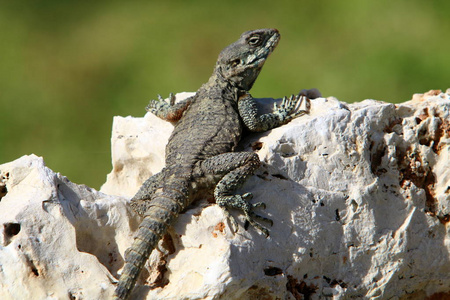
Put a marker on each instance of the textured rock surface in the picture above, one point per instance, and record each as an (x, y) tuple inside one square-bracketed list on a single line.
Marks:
[(359, 194), (58, 240)]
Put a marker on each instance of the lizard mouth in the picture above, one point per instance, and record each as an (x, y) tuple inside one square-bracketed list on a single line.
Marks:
[(272, 42)]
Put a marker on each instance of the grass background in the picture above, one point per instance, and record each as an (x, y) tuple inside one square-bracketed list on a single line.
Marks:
[(68, 67)]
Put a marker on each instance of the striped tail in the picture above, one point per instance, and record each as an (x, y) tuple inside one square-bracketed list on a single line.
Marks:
[(167, 202)]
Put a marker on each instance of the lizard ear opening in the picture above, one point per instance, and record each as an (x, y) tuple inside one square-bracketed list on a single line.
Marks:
[(235, 62)]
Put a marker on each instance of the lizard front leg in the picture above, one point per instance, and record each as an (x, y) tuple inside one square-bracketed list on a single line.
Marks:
[(282, 114), (236, 167), (171, 111)]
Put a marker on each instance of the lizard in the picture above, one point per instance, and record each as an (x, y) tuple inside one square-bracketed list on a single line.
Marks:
[(199, 153)]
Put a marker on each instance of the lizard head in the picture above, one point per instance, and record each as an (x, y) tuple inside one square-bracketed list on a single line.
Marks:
[(240, 63)]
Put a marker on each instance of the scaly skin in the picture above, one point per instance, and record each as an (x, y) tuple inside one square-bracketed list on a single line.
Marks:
[(199, 154)]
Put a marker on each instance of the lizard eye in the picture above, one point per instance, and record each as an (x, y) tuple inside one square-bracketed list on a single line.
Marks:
[(254, 41)]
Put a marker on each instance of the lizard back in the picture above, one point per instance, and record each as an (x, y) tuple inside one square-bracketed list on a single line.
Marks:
[(210, 126)]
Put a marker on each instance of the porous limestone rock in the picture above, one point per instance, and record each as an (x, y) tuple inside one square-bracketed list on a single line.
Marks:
[(58, 240), (359, 194)]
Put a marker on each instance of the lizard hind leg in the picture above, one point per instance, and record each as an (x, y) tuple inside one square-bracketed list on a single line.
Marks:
[(236, 167), (141, 201)]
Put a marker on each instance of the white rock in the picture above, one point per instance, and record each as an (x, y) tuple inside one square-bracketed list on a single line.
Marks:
[(359, 194), (58, 240)]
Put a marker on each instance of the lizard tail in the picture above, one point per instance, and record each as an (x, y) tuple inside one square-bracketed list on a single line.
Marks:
[(166, 204)]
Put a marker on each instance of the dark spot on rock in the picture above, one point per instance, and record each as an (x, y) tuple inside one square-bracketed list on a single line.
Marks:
[(31, 265), (11, 229), (335, 282), (299, 289), (389, 128), (35, 271), (246, 225), (280, 176), (263, 176), (3, 190), (257, 146), (338, 217), (433, 138), (167, 243), (273, 271), (429, 183), (71, 295), (411, 169), (444, 219), (376, 157), (112, 258)]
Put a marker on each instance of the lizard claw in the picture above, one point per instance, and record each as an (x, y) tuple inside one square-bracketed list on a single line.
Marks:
[(155, 105), (152, 106), (307, 106), (240, 202), (247, 196), (288, 107), (260, 204), (172, 99)]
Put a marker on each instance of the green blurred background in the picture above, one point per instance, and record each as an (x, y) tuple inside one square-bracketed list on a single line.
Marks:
[(68, 67)]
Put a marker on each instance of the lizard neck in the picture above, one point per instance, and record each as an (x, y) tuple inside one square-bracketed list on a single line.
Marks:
[(223, 87)]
